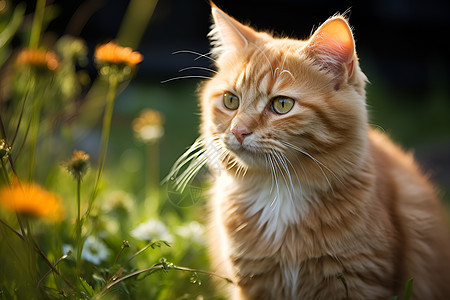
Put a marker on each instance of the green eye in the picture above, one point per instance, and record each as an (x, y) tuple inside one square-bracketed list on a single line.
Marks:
[(282, 105), (230, 101)]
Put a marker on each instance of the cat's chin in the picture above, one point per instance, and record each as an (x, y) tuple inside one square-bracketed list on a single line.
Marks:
[(249, 158)]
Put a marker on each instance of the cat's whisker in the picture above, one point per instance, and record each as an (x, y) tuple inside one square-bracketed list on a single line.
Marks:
[(274, 173), (186, 157), (201, 152), (286, 160), (267, 58), (286, 72), (186, 77), (275, 72), (192, 170), (200, 55), (198, 68), (284, 60), (317, 162), (286, 175)]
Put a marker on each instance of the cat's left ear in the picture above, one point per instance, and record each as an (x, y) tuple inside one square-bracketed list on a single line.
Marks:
[(227, 33), (333, 47)]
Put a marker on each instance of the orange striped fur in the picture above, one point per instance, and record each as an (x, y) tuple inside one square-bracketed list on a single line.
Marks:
[(314, 193)]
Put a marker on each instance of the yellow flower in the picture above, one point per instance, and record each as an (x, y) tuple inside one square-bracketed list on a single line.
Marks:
[(31, 199), (38, 58), (116, 54)]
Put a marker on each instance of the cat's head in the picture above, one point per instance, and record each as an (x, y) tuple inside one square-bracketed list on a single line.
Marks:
[(295, 105)]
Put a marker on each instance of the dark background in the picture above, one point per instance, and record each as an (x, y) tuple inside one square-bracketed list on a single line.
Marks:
[(401, 38)]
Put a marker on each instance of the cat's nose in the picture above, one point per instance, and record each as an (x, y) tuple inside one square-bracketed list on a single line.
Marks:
[(241, 132)]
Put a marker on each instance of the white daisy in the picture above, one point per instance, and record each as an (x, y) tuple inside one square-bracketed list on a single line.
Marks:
[(94, 250), (194, 232), (152, 230)]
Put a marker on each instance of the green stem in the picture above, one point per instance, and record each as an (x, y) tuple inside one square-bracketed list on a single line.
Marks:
[(79, 225), (5, 172), (36, 27), (34, 128), (112, 283), (110, 97)]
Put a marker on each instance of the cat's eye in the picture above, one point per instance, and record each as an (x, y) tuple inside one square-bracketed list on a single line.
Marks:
[(282, 105), (230, 101)]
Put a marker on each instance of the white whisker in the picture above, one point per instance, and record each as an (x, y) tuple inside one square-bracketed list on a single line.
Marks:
[(201, 152), (317, 162), (285, 175), (200, 55), (185, 77), (267, 58), (287, 72), (197, 68)]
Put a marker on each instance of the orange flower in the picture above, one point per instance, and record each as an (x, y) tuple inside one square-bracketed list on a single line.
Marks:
[(116, 54), (38, 58), (31, 199)]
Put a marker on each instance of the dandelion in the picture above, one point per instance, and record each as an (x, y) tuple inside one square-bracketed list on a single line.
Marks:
[(31, 199), (148, 126), (193, 232), (94, 250), (113, 53), (152, 230), (40, 59), (78, 164)]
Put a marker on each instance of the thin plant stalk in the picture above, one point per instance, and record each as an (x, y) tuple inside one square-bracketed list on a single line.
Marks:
[(152, 174), (110, 97), (79, 224), (36, 26), (5, 172), (110, 284), (34, 131)]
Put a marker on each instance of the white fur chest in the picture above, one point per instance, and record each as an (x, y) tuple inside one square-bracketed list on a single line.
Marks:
[(276, 203)]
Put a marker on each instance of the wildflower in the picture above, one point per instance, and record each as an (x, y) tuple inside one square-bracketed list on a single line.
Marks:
[(152, 230), (94, 250), (5, 150), (78, 164), (113, 53), (148, 126), (31, 199), (193, 232), (38, 58)]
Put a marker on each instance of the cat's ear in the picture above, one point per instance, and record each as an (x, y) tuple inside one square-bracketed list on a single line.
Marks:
[(227, 33), (333, 47)]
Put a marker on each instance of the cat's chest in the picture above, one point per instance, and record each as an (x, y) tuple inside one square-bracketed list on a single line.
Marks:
[(263, 208)]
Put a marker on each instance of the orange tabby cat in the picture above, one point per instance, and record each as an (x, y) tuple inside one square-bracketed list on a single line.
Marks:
[(304, 191)]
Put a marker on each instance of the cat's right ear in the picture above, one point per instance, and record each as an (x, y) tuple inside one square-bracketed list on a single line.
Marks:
[(333, 47), (227, 34)]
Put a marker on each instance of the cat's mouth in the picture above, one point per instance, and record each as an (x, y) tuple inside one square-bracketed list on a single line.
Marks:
[(246, 153)]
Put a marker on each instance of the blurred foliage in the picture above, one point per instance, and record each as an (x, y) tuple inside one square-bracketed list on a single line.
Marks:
[(123, 236)]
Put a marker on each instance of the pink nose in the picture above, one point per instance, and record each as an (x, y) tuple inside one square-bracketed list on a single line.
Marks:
[(241, 132)]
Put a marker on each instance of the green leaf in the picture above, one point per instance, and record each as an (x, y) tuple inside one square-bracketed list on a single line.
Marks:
[(87, 288), (408, 289), (344, 282)]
